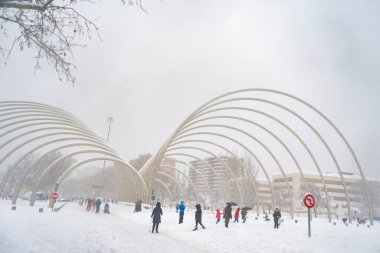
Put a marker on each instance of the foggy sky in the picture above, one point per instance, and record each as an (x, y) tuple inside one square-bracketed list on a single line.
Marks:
[(150, 71)]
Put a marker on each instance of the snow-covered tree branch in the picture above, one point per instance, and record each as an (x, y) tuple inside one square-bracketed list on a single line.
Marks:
[(52, 28)]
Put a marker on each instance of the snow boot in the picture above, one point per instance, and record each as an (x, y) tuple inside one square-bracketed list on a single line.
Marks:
[(194, 229), (203, 227)]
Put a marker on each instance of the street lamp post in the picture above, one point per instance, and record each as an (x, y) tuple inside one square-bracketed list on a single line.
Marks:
[(110, 120)]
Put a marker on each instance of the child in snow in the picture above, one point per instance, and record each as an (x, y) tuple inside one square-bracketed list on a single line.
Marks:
[(156, 215), (217, 216), (237, 213), (198, 217), (106, 208)]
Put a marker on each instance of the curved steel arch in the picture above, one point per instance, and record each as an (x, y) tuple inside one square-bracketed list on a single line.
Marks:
[(187, 178), (232, 154), (314, 160), (173, 179), (205, 163), (216, 157), (166, 188), (11, 169), (34, 113), (55, 122), (258, 141), (129, 168), (205, 107), (43, 117), (57, 161), (310, 126), (30, 166), (38, 105), (245, 148), (149, 171), (196, 171), (54, 115)]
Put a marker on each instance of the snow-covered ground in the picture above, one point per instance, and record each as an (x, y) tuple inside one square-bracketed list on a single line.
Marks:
[(73, 230)]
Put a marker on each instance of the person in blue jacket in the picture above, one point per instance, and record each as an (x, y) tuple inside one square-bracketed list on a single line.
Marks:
[(181, 208)]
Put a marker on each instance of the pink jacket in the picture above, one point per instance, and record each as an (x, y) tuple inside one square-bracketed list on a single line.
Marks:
[(217, 213)]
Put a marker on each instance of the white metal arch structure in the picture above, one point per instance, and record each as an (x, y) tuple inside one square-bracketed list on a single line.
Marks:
[(226, 166), (196, 194), (241, 145), (253, 182), (173, 180), (165, 187), (219, 103), (20, 119), (203, 162), (196, 171), (13, 167), (28, 169), (60, 159), (138, 191), (299, 139)]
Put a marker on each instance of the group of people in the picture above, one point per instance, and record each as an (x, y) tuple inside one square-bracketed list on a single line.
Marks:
[(198, 214), (94, 204), (157, 213), (227, 215)]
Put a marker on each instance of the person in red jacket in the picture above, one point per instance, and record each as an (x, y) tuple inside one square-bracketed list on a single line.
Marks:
[(237, 213), (89, 205), (217, 216)]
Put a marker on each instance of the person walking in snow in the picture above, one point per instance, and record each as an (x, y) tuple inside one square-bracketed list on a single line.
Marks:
[(276, 216), (237, 214), (181, 209), (93, 203), (98, 203), (137, 206), (156, 215), (244, 214), (88, 207), (198, 217), (217, 216), (227, 214)]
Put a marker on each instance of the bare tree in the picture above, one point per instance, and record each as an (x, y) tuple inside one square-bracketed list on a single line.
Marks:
[(250, 171), (52, 29)]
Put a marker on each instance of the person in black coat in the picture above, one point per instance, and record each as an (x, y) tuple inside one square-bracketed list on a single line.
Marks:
[(244, 214), (276, 216), (227, 214), (198, 217), (156, 215), (98, 203)]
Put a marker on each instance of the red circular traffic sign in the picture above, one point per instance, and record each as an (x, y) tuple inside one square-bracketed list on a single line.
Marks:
[(309, 200), (54, 195)]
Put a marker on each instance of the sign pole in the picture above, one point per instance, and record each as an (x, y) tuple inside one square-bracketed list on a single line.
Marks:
[(308, 210), (309, 202)]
